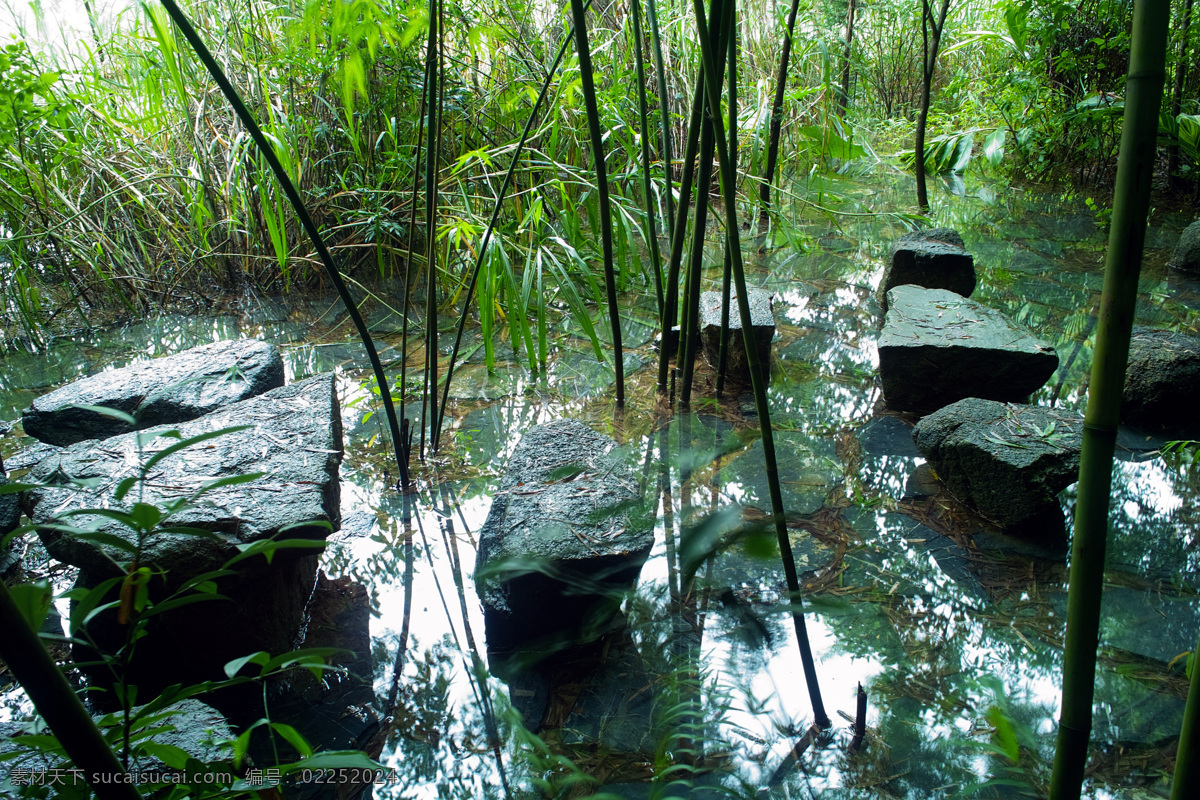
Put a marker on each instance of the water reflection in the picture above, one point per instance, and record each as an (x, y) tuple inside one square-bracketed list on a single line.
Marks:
[(908, 594)]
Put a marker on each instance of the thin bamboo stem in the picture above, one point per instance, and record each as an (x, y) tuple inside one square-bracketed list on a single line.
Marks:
[(306, 221), (593, 115), (647, 188), (757, 374)]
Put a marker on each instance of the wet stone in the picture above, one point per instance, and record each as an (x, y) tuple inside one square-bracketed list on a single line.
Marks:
[(1149, 624), (921, 483), (761, 320), (1162, 380), (1007, 461), (888, 436), (1186, 257), (295, 441), (937, 347), (934, 259), (565, 538), (162, 391), (808, 471)]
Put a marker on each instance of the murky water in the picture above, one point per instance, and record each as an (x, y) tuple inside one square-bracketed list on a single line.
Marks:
[(954, 630)]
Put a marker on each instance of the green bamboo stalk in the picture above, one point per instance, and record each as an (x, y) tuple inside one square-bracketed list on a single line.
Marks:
[(593, 114), (1181, 69), (56, 701), (664, 110), (727, 274), (306, 221), (689, 325), (1143, 94), (1187, 756), (487, 235), (930, 25), (757, 377), (670, 314), (764, 191), (651, 233), (433, 75)]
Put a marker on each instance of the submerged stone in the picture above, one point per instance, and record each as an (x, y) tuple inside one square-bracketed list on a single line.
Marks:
[(934, 259), (565, 537), (808, 470), (937, 347), (1008, 462), (163, 391), (1187, 253), (1162, 380), (762, 322)]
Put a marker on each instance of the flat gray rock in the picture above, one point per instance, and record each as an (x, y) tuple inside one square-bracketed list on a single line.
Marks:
[(1187, 253), (1162, 381), (934, 259), (761, 320), (567, 534), (295, 440), (1007, 461), (937, 347), (163, 391)]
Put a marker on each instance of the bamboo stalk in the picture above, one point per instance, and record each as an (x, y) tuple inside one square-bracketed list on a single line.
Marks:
[(1181, 68), (593, 114), (432, 77), (1143, 93), (664, 109), (757, 376), (56, 701), (727, 274), (764, 191), (671, 305), (306, 221), (651, 233), (1186, 783)]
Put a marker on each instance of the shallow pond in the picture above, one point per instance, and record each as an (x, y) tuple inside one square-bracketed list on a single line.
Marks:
[(954, 630)]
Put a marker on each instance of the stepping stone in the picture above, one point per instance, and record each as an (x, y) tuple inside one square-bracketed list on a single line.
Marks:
[(937, 347), (159, 392), (1162, 380), (1008, 462), (1186, 257), (761, 320), (565, 537), (294, 439), (934, 259)]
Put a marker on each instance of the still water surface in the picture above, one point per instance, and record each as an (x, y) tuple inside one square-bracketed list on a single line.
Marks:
[(954, 631)]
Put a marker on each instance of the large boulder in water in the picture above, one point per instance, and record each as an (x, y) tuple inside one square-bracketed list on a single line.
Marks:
[(934, 259), (1187, 253), (1162, 381), (762, 322), (937, 347), (566, 536), (293, 438), (1007, 461), (159, 392)]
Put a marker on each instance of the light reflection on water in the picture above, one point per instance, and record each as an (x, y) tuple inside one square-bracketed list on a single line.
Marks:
[(915, 599)]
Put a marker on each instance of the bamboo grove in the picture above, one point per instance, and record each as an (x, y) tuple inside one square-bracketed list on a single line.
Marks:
[(402, 168)]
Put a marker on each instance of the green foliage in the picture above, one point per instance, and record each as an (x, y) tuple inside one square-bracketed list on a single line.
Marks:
[(124, 526)]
